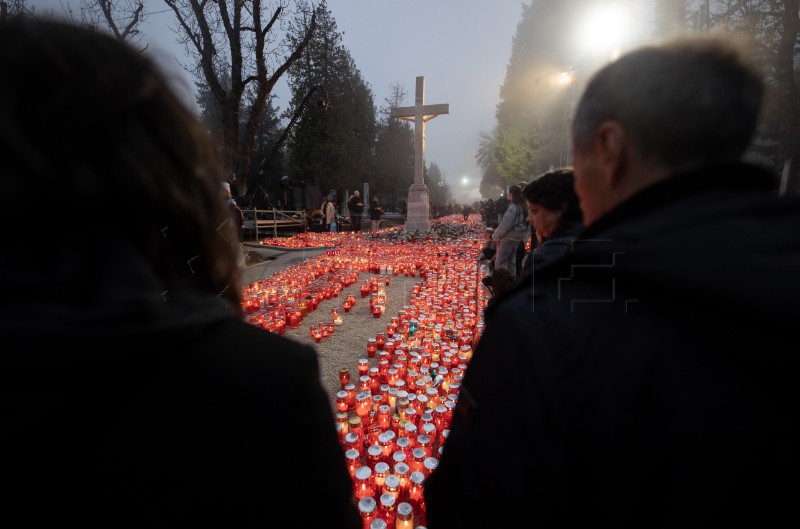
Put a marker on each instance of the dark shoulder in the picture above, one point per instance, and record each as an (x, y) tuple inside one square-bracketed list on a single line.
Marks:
[(257, 353)]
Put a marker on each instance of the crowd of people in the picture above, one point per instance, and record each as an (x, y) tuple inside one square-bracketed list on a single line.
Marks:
[(638, 372)]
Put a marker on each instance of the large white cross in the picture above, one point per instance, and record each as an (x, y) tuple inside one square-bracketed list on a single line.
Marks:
[(419, 114)]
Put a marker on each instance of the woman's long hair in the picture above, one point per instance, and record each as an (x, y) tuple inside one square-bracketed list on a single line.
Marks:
[(95, 129)]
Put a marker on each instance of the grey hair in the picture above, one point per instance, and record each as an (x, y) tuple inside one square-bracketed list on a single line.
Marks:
[(687, 101)]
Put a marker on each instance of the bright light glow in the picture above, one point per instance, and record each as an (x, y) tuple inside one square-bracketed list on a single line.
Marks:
[(566, 77), (603, 30), (464, 180)]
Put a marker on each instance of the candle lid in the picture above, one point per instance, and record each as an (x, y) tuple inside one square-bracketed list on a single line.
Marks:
[(381, 468), (392, 481), (401, 469), (387, 498), (405, 509), (367, 505), (431, 463), (418, 453), (377, 523), (417, 478), (351, 453), (363, 473), (374, 450)]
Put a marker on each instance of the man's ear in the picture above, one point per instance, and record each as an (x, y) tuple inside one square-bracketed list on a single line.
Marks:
[(612, 145)]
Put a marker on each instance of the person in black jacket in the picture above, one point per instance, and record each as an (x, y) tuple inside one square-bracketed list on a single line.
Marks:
[(133, 393), (555, 216), (356, 207), (375, 213), (648, 378)]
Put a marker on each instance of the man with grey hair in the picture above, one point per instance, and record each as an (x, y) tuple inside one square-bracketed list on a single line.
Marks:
[(646, 379)]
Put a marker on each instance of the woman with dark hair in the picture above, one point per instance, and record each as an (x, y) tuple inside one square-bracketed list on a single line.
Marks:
[(554, 212), (133, 392), (510, 232)]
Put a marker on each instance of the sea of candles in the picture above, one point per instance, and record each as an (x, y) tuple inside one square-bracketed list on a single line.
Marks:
[(393, 417)]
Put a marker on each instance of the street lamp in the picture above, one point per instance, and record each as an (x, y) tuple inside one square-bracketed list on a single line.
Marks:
[(602, 31)]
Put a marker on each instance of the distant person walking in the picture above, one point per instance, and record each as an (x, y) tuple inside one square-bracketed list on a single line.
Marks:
[(328, 214), (375, 213), (356, 207)]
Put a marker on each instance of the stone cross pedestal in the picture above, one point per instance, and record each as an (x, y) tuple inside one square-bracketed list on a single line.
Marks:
[(418, 216)]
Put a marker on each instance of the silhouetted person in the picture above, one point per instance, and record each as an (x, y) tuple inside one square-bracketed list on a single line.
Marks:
[(132, 392), (648, 378)]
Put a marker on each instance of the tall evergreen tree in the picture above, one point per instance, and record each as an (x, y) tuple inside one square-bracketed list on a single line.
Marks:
[(530, 132), (486, 157), (439, 193), (333, 148)]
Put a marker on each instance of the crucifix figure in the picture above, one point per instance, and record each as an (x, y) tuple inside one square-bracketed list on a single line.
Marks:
[(418, 215)]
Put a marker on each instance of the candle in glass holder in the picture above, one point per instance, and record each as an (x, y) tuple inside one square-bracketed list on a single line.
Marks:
[(341, 401), (356, 427), (336, 317), (391, 485), (430, 465), (393, 398), (418, 455), (352, 441), (351, 395), (443, 437), (380, 340), (415, 489), (347, 305), (386, 508), (363, 366), (363, 403), (363, 483), (377, 399), (341, 417), (405, 516), (374, 381), (315, 333), (344, 376), (382, 470), (385, 416), (387, 443), (379, 523), (400, 454), (353, 459), (367, 507), (410, 432), (372, 347), (377, 310), (374, 454), (440, 417), (402, 471), (425, 442), (411, 416)]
